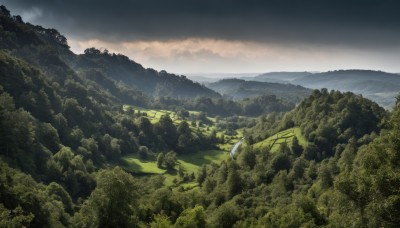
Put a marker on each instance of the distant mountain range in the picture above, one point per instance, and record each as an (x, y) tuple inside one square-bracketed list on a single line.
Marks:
[(278, 77), (239, 89), (378, 86), (48, 50), (214, 77)]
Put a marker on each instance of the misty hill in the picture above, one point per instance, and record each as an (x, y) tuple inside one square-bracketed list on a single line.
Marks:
[(379, 86), (239, 89), (278, 77), (202, 79), (213, 77)]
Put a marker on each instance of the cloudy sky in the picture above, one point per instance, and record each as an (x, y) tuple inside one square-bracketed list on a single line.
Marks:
[(229, 36)]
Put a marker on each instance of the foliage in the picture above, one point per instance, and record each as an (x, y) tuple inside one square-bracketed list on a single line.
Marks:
[(64, 132), (112, 203)]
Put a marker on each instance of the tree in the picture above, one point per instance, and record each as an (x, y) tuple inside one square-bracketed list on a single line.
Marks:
[(143, 152), (201, 175), (185, 142), (170, 160), (311, 152), (112, 203), (222, 138), (181, 171), (73, 112), (298, 168), (160, 221), (92, 51), (160, 160), (14, 218), (280, 162), (226, 215), (234, 183), (325, 176), (183, 128), (194, 217), (213, 136), (5, 11), (57, 192), (167, 131), (145, 126), (297, 149), (247, 158)]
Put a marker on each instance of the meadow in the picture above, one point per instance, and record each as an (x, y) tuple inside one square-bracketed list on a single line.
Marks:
[(189, 162), (274, 142)]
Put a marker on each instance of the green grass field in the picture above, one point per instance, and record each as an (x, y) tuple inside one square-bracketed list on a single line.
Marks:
[(203, 157), (191, 162), (134, 164), (155, 115), (276, 140)]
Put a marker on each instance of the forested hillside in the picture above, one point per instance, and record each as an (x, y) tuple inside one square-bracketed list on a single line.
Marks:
[(82, 144), (49, 50), (328, 119), (121, 69)]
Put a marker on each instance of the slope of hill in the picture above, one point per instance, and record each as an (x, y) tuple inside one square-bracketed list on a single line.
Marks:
[(326, 119), (121, 69), (49, 51), (275, 141), (213, 77), (279, 77), (239, 89), (378, 86), (202, 79), (330, 118)]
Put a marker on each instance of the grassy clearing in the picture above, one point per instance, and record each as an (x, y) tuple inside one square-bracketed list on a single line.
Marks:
[(134, 164), (203, 157), (276, 140), (154, 115), (191, 164), (206, 129), (189, 185)]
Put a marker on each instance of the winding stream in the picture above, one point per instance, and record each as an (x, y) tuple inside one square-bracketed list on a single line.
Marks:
[(235, 147)]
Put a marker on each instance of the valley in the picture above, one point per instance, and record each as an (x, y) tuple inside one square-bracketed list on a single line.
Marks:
[(190, 163), (98, 140)]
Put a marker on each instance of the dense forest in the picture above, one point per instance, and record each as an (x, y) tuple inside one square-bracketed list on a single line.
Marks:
[(69, 122)]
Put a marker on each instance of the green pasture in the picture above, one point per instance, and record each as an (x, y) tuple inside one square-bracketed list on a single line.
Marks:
[(191, 164), (276, 140)]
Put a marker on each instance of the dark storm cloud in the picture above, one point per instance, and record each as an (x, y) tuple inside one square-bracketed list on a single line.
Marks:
[(343, 22)]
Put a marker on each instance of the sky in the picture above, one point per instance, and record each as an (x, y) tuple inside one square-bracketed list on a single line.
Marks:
[(229, 36)]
